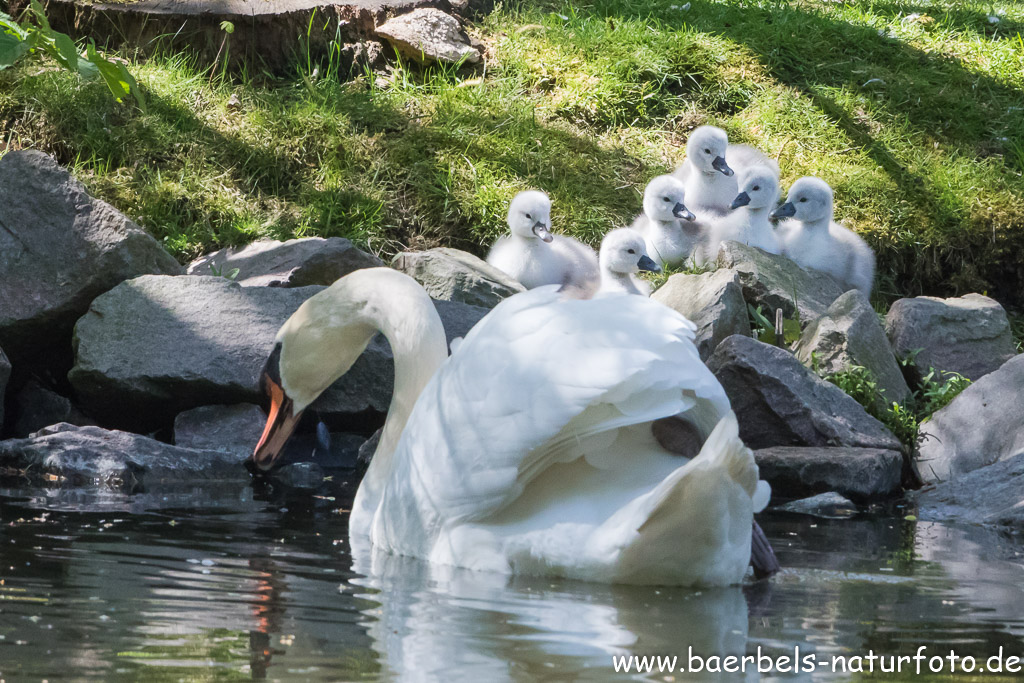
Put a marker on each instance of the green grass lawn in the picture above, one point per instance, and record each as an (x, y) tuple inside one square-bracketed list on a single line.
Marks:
[(918, 124)]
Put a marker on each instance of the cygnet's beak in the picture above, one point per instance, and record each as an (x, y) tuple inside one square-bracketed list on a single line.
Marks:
[(742, 199), (680, 211), (719, 165), (647, 263), (784, 211), (541, 231)]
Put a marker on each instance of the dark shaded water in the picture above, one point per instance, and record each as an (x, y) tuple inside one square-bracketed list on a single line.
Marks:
[(107, 587)]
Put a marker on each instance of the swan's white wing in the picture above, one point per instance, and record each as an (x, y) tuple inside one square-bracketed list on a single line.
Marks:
[(501, 410)]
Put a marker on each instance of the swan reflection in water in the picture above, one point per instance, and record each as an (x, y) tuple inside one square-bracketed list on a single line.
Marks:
[(430, 620)]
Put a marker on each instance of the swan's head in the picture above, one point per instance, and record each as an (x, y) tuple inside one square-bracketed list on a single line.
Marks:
[(663, 199), (706, 150), (324, 338), (810, 199), (623, 252), (759, 189), (529, 215)]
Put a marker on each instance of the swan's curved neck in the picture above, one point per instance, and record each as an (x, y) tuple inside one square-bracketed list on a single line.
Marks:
[(412, 326)]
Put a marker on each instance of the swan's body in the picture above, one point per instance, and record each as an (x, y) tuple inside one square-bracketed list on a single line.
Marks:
[(534, 256), (622, 256), (709, 170), (749, 221), (535, 449), (812, 239), (669, 229)]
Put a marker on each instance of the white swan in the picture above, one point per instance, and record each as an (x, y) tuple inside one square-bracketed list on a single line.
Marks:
[(709, 169), (667, 226), (749, 221), (537, 447), (534, 256), (814, 240), (622, 256)]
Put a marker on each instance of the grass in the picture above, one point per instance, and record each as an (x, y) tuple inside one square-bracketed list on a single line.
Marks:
[(918, 124)]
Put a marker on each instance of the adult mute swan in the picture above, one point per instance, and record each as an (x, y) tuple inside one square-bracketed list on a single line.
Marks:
[(622, 256), (548, 443), (536, 257), (814, 240)]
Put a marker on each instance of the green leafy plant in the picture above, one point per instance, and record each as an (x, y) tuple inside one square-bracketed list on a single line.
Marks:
[(764, 329), (20, 39), (219, 272)]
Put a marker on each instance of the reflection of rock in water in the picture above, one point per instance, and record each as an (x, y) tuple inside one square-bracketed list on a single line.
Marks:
[(433, 620)]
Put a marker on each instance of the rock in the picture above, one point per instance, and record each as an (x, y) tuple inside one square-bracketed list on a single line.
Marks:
[(295, 263), (848, 334), (861, 474), (773, 282), (454, 275), (829, 504), (990, 495), (713, 301), (37, 406), (233, 429), (969, 335), (91, 456), (429, 35), (981, 426), (5, 375), (367, 450), (156, 346), (59, 249), (779, 402), (300, 475)]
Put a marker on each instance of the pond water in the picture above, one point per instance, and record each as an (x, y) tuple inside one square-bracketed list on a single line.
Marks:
[(264, 585)]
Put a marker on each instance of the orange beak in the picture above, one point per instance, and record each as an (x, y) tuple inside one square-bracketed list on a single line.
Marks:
[(281, 422)]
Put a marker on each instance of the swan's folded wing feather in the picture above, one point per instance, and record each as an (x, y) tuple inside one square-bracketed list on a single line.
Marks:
[(493, 416)]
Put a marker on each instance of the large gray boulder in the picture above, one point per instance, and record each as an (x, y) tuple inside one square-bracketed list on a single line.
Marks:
[(231, 429), (779, 402), (860, 474), (59, 249), (90, 456), (5, 375), (455, 275), (713, 301), (850, 334), (429, 35), (981, 426), (156, 346), (295, 263), (774, 281), (37, 406), (969, 335), (990, 495)]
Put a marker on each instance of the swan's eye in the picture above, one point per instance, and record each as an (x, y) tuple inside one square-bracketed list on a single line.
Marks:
[(756, 188), (529, 217), (707, 151), (666, 199), (631, 251), (803, 199)]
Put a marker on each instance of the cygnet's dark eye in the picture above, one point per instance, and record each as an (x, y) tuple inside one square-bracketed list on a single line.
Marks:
[(756, 188), (529, 217), (631, 251), (666, 199), (803, 199), (707, 151)]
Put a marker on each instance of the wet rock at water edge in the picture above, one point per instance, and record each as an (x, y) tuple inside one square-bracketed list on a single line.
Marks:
[(989, 495), (850, 334), (712, 301), (779, 402), (981, 426), (831, 505), (233, 429), (429, 35), (5, 375), (969, 335), (454, 275), (66, 455), (59, 249), (295, 263), (773, 281), (861, 474)]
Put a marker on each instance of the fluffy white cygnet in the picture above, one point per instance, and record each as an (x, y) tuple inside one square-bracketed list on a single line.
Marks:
[(814, 240), (622, 256), (711, 168), (749, 221), (536, 257), (667, 226)]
